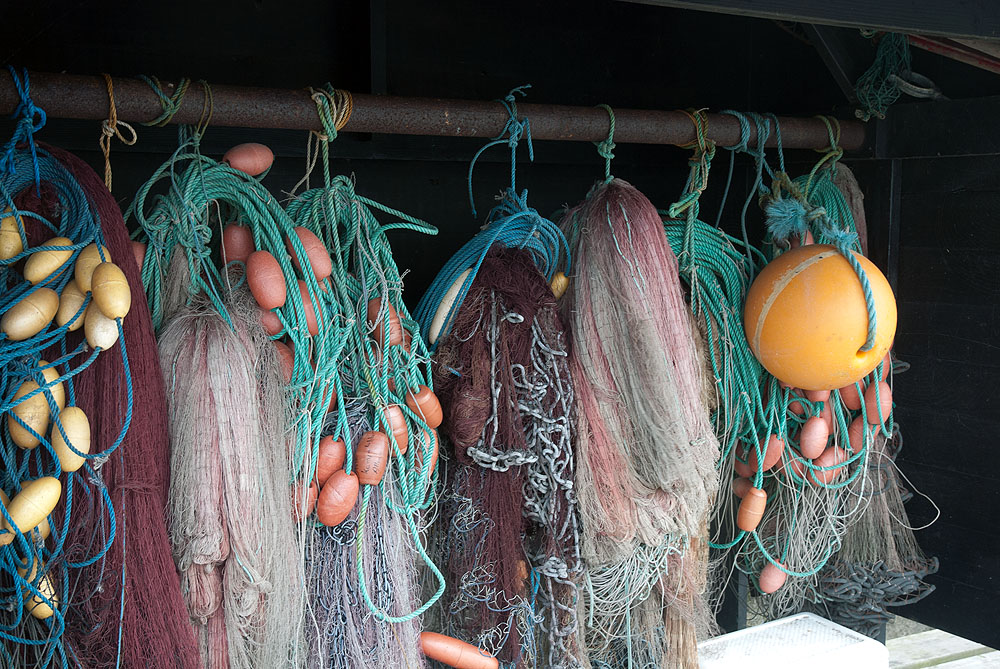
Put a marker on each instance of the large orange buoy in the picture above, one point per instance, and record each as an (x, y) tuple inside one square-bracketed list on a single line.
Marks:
[(806, 320)]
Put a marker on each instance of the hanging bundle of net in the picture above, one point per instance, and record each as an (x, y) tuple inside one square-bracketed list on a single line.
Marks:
[(235, 423), (63, 306), (646, 451), (507, 528), (879, 563), (375, 465)]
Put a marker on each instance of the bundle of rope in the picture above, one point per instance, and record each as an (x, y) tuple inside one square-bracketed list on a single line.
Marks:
[(645, 447), (57, 276), (507, 528), (383, 433)]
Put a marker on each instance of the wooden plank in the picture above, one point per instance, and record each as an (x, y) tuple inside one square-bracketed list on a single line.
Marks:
[(972, 18), (931, 649), (990, 659)]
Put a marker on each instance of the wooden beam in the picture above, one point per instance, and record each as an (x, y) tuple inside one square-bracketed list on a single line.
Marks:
[(970, 18)]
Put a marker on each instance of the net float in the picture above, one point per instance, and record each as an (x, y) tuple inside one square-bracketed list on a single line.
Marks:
[(34, 411), (90, 257), (425, 404), (813, 437), (743, 469), (856, 434), (43, 265), (741, 486), (307, 307), (303, 507), (818, 395), (70, 310), (38, 606), (139, 253), (371, 457), (878, 408), (252, 158), (10, 235), (806, 319), (429, 440), (101, 331), (751, 509), (77, 430), (833, 455), (559, 284), (237, 243), (270, 322), (316, 252), (850, 396), (771, 578), (332, 453), (447, 302), (455, 653), (772, 453), (337, 498), (397, 425), (30, 315), (31, 506), (266, 280), (111, 290), (395, 333)]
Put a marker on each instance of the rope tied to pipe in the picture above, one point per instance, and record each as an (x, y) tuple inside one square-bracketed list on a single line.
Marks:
[(170, 104), (606, 148), (514, 129), (110, 128), (31, 119)]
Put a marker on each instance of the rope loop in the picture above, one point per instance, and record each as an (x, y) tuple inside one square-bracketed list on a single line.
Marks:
[(606, 148), (512, 132), (30, 119), (111, 127)]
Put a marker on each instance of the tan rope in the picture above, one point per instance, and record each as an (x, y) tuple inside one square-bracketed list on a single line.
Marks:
[(111, 128)]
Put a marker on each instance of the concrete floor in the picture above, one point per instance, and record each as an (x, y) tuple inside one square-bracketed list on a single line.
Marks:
[(900, 627)]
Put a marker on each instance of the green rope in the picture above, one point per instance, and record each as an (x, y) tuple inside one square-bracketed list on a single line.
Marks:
[(876, 88), (606, 148), (170, 104)]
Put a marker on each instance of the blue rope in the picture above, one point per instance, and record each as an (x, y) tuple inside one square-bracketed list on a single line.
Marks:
[(511, 135), (512, 224)]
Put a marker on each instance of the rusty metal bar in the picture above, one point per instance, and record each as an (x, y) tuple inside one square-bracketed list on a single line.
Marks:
[(86, 97)]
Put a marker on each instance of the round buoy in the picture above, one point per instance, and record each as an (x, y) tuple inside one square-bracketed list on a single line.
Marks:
[(806, 319)]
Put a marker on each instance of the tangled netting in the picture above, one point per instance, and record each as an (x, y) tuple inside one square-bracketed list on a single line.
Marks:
[(646, 478), (502, 374)]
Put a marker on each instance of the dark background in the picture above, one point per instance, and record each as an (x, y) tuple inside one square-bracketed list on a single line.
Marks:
[(937, 231)]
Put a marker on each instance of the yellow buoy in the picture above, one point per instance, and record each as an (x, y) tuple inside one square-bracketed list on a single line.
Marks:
[(34, 412), (30, 507), (70, 301), (101, 331), (437, 323), (58, 391), (89, 258), (77, 428), (10, 236), (111, 291), (30, 316), (41, 265), (806, 320), (36, 605), (559, 284)]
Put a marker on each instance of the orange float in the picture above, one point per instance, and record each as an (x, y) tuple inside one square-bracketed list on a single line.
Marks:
[(751, 509), (806, 320), (455, 653)]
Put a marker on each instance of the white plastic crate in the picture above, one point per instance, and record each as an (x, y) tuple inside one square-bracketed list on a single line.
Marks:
[(804, 640)]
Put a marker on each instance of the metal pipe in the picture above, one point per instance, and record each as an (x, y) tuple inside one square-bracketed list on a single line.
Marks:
[(86, 97)]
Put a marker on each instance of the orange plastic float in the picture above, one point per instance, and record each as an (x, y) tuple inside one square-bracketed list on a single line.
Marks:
[(751, 509), (455, 653), (806, 320), (252, 158)]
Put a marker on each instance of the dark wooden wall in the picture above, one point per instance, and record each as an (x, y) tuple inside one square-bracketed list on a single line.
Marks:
[(949, 402)]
